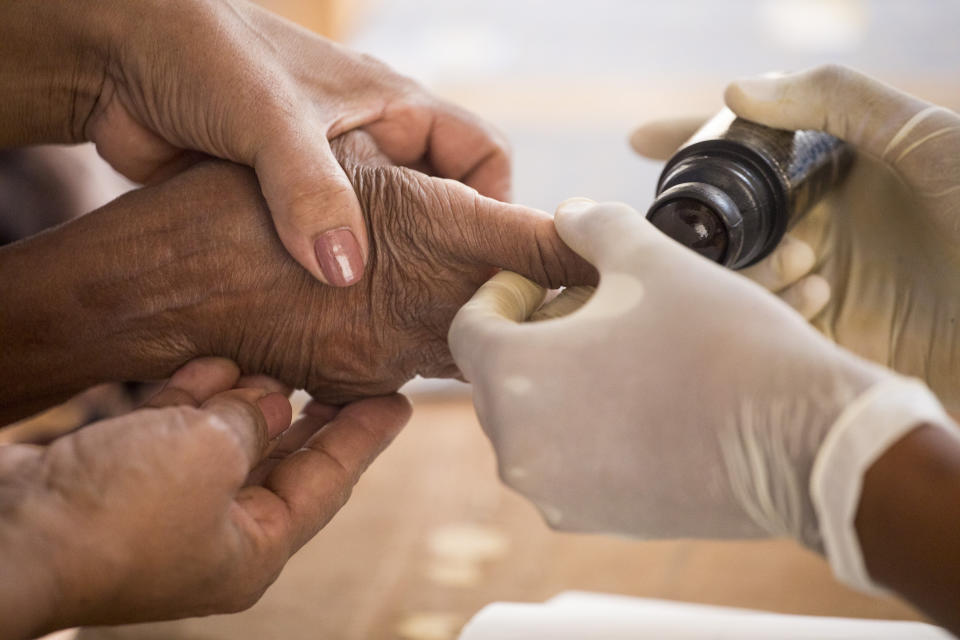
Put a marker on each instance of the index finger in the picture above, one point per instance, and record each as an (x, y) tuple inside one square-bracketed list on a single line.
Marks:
[(253, 417), (306, 489), (465, 148), (196, 382)]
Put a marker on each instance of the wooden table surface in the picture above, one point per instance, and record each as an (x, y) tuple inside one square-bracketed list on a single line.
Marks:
[(431, 536)]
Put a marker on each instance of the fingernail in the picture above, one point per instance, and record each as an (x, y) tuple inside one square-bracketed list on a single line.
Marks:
[(277, 412), (759, 89), (339, 256), (575, 205)]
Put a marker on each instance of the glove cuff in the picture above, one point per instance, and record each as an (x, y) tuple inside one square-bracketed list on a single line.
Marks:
[(866, 428)]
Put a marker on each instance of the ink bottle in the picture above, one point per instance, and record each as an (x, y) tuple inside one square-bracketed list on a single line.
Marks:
[(733, 189)]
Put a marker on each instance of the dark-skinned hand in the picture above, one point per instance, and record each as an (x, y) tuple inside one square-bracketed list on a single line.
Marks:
[(193, 267)]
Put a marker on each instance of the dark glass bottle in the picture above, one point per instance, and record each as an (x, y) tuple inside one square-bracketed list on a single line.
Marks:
[(733, 189)]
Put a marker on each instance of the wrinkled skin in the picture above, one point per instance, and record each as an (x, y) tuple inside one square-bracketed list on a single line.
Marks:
[(189, 506), (158, 85), (341, 344), (193, 267), (426, 237)]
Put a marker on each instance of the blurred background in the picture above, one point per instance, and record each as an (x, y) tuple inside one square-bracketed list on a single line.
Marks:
[(430, 536), (568, 80)]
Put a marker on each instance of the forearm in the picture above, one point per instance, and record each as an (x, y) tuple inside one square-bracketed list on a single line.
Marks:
[(908, 520), (91, 301), (52, 61)]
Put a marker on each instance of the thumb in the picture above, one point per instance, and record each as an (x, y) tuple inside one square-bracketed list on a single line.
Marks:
[(493, 314), (517, 238), (252, 416), (870, 115), (659, 139), (314, 207)]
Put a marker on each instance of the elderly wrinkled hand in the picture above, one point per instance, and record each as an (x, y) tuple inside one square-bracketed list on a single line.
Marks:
[(876, 265), (189, 506), (193, 267)]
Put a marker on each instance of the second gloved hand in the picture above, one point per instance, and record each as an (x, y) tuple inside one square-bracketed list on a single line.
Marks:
[(887, 241), (681, 400)]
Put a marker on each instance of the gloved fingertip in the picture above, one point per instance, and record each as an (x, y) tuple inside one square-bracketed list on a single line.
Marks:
[(817, 291), (575, 205), (796, 259), (752, 90)]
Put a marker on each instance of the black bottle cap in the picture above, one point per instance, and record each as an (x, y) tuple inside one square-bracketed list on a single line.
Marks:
[(693, 224), (701, 217)]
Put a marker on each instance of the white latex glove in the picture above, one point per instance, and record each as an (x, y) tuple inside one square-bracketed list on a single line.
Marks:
[(886, 243), (681, 400)]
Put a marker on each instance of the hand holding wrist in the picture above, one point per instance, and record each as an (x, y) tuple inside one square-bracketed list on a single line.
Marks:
[(193, 267), (54, 57)]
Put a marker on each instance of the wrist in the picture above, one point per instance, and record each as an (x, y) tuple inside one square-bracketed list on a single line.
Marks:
[(866, 428), (96, 300), (56, 56), (907, 520)]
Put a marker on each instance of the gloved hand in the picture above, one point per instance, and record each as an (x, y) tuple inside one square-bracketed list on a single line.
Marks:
[(680, 400), (887, 241)]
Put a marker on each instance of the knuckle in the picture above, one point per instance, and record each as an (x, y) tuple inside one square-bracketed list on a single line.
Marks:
[(324, 200), (216, 428), (187, 416), (829, 73)]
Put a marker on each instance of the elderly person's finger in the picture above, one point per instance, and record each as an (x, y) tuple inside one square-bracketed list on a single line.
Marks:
[(510, 236), (196, 382), (314, 417), (306, 489)]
